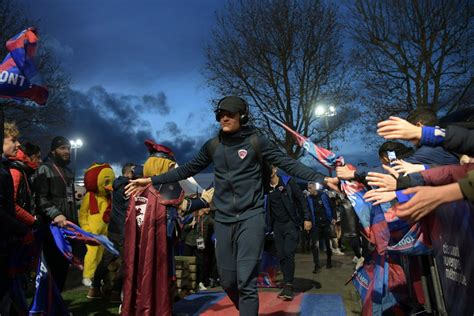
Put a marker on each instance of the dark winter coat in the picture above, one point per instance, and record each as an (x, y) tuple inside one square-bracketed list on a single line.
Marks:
[(239, 191)]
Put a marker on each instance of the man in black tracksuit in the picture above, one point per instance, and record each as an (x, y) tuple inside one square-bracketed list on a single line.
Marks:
[(237, 154), (322, 218), (288, 211)]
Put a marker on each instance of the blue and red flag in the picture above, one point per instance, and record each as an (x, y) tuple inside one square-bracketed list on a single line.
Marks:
[(378, 297), (47, 300), (19, 77), (268, 271), (62, 235)]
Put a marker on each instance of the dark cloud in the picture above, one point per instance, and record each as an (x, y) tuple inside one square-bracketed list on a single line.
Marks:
[(113, 127), (184, 147), (157, 103)]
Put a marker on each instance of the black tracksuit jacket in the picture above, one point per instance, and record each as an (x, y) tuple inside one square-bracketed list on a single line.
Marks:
[(238, 173)]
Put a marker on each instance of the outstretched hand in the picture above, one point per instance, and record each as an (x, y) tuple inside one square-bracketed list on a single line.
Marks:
[(378, 197), (397, 128), (332, 183), (401, 166), (207, 195), (345, 173), (136, 186), (426, 199), (385, 182)]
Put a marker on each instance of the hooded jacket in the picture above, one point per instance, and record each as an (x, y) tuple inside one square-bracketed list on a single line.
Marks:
[(10, 227), (238, 173), (21, 169)]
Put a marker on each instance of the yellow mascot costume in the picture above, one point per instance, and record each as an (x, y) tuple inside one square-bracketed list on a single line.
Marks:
[(95, 212)]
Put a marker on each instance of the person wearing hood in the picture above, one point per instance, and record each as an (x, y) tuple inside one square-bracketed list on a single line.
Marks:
[(22, 167), (12, 231), (53, 184), (239, 154)]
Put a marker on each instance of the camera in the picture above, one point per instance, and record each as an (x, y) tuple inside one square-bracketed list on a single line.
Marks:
[(391, 157), (200, 243)]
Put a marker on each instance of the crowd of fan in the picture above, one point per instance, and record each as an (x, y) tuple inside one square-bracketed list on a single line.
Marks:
[(34, 194)]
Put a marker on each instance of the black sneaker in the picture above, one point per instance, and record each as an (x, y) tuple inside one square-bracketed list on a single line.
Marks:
[(282, 293), (287, 292), (316, 270), (212, 283), (328, 265)]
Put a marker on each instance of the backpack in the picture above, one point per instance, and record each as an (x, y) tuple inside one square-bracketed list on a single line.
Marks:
[(265, 166)]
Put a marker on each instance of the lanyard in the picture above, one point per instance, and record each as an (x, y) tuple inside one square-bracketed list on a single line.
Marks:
[(200, 222), (60, 174)]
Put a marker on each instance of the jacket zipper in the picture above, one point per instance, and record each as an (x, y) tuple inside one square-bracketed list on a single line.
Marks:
[(227, 174)]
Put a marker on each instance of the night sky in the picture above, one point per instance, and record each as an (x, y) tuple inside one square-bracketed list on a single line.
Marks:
[(135, 74)]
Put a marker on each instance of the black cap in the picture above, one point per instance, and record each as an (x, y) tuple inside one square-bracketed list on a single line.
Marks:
[(232, 104), (59, 141)]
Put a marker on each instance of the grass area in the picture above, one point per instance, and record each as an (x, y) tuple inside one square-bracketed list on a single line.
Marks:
[(79, 305)]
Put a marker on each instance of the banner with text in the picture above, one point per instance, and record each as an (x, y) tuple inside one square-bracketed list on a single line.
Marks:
[(452, 235)]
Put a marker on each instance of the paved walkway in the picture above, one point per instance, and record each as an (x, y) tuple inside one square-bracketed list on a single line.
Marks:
[(331, 281), (327, 281)]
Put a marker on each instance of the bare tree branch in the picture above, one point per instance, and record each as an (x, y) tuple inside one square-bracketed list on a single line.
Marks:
[(412, 53), (284, 57)]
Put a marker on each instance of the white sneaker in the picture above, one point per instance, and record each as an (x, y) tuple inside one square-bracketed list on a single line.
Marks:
[(355, 259), (201, 287), (338, 252), (360, 263), (87, 282)]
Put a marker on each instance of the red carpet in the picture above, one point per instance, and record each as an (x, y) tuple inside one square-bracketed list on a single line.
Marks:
[(269, 304)]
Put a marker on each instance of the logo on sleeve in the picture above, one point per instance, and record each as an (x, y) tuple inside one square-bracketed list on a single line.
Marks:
[(242, 153)]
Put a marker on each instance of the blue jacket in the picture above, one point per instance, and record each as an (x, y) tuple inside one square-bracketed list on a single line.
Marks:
[(433, 156), (326, 204)]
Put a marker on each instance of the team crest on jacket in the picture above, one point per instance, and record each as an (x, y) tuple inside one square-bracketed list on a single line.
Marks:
[(242, 153)]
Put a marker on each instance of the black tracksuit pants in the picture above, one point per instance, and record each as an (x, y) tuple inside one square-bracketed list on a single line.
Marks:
[(318, 232), (239, 248), (107, 258), (286, 241), (199, 254)]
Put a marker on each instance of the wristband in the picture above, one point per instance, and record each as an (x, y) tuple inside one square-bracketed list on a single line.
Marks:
[(432, 136), (402, 198)]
